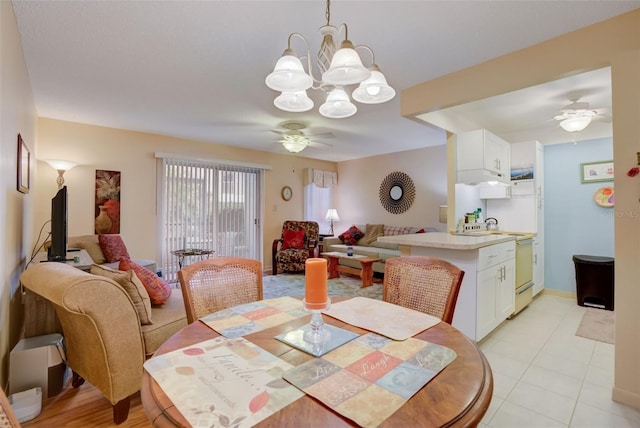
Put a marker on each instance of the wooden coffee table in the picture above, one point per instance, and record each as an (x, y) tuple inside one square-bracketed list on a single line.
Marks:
[(365, 272)]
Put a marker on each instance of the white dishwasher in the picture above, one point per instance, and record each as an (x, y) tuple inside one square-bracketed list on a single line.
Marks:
[(524, 273)]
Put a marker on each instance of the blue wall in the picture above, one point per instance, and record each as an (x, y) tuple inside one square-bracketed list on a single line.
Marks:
[(574, 224)]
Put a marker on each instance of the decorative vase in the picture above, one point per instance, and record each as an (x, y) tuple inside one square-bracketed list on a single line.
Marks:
[(103, 222)]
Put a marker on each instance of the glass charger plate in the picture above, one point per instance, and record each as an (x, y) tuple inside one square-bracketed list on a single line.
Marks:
[(338, 337)]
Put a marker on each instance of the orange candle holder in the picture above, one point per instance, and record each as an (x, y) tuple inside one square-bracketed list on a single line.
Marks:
[(316, 333)]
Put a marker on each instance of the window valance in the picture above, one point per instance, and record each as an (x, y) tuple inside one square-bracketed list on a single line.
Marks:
[(320, 178)]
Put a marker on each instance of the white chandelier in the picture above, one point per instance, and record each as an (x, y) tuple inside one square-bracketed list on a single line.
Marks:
[(339, 67)]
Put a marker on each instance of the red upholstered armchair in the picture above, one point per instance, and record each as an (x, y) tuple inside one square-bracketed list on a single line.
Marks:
[(298, 242)]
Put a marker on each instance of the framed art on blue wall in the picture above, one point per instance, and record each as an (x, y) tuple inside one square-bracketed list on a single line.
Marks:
[(596, 171)]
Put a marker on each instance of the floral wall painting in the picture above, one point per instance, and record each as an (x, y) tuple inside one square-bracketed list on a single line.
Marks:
[(107, 208)]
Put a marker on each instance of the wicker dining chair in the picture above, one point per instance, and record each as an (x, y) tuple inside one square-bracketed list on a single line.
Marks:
[(425, 284), (217, 283)]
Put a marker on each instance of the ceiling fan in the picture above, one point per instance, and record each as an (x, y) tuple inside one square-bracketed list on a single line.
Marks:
[(576, 116), (294, 140)]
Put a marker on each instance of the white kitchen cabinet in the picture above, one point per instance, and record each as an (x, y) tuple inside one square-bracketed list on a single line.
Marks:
[(495, 286), (482, 156), (487, 293), (486, 313), (506, 290), (538, 264)]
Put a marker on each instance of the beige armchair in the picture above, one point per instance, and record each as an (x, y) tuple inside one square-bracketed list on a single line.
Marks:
[(106, 343)]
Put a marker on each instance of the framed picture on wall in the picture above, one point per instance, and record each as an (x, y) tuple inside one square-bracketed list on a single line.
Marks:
[(596, 171), (24, 166)]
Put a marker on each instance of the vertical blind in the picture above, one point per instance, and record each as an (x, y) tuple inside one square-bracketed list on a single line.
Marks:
[(206, 206)]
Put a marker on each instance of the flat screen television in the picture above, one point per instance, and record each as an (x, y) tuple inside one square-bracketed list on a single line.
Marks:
[(58, 250)]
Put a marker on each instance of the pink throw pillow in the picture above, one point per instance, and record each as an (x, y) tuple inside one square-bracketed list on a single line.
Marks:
[(159, 290), (293, 239), (112, 247)]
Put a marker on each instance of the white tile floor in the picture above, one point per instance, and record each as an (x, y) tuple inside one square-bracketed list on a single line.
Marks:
[(546, 376)]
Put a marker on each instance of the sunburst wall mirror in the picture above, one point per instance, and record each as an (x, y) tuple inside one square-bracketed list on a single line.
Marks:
[(397, 192)]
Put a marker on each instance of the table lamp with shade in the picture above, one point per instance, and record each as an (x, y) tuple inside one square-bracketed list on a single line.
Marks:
[(332, 215)]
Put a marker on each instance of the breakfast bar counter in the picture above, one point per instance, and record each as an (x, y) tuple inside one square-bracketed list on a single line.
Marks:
[(446, 240), (487, 293)]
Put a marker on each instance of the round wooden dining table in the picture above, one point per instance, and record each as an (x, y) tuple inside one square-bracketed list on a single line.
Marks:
[(458, 396)]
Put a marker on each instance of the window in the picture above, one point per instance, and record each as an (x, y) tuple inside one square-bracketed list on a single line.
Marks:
[(209, 206), (318, 196)]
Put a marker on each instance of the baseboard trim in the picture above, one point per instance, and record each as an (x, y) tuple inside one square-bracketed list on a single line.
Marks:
[(559, 293), (626, 397)]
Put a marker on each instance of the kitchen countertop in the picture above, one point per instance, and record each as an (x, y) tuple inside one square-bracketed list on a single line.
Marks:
[(447, 240)]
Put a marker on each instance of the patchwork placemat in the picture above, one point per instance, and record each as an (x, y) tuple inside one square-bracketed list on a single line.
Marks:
[(384, 318), (371, 377), (223, 382), (256, 316)]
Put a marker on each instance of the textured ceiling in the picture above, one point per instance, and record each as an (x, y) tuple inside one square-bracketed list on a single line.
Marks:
[(196, 69)]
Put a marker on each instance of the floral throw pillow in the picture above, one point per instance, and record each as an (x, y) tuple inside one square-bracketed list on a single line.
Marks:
[(112, 247), (293, 239), (351, 235), (159, 290)]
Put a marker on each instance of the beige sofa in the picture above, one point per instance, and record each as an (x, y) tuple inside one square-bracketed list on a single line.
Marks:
[(372, 249), (91, 245), (106, 343)]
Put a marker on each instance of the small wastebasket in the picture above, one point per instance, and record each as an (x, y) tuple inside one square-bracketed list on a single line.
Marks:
[(594, 281), (38, 361)]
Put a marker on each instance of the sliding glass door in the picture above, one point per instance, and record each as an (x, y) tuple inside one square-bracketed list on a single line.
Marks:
[(209, 207)]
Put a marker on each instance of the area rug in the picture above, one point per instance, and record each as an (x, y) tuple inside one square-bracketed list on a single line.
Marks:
[(597, 324), (293, 285)]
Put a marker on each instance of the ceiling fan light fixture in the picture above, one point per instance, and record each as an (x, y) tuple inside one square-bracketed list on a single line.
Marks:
[(294, 102), (576, 123), (288, 75), (295, 143), (375, 89), (338, 105)]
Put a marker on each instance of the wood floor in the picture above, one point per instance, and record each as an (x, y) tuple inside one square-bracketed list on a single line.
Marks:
[(85, 407)]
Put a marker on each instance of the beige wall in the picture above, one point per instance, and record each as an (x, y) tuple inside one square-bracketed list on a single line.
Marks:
[(17, 115), (615, 43), (132, 153), (357, 198)]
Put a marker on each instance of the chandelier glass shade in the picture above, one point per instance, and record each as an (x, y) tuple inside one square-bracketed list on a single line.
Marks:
[(289, 75), (338, 68), (338, 105), (375, 89), (293, 101)]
